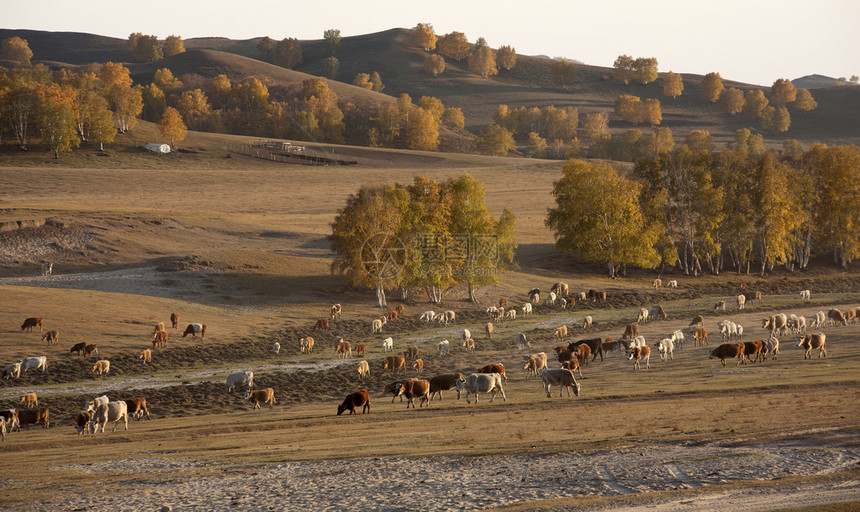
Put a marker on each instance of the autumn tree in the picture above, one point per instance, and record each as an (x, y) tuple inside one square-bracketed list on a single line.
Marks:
[(495, 140), (434, 106), (16, 49), (219, 91), (782, 92), (673, 84), (624, 67), (376, 82), (536, 147), (596, 125), (774, 211), (18, 103), (775, 119), (506, 56), (146, 48), (563, 73), (321, 102), (422, 130), (804, 101), (434, 64), (629, 108), (384, 125), (712, 87), (424, 36), (287, 53), (598, 218), (651, 112), (331, 40), (126, 101), (330, 67), (171, 127), (165, 80), (96, 125), (645, 70), (754, 103), (482, 60), (265, 44), (57, 117), (362, 80), (559, 123), (454, 46), (173, 45), (453, 117), (699, 141), (733, 100), (194, 108)]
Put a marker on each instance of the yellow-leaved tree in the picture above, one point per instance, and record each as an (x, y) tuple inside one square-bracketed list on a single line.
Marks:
[(482, 60), (598, 218), (422, 130), (171, 127), (506, 56), (563, 73), (454, 46), (673, 84), (173, 45), (16, 49), (434, 64), (733, 100), (424, 36), (57, 117), (712, 86), (495, 140), (782, 92)]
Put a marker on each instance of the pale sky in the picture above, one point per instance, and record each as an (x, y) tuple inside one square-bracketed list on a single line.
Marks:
[(754, 41)]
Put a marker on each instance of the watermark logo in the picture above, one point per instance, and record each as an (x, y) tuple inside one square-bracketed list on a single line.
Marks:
[(383, 256)]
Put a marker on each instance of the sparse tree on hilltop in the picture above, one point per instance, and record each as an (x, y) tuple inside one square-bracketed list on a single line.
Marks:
[(506, 56), (673, 84), (265, 45), (16, 49), (712, 87), (173, 45), (782, 92), (482, 60), (454, 46), (645, 70), (623, 68), (424, 36), (331, 39), (145, 48), (287, 53)]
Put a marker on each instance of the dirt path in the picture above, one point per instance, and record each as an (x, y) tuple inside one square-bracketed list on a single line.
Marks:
[(477, 483)]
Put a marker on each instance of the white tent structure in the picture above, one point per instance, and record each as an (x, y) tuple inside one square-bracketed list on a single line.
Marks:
[(161, 149)]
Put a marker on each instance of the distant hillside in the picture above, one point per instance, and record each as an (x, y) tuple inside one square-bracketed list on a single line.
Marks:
[(400, 63), (819, 82)]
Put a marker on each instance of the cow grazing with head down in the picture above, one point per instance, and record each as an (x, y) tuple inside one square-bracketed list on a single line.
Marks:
[(572, 365), (102, 367), (91, 350), (482, 383), (51, 337), (562, 378), (34, 417), (174, 320), (137, 407), (78, 348), (306, 344), (360, 398), (394, 363), (30, 323), (812, 341), (595, 346), (363, 369), (322, 323), (146, 355), (194, 330), (630, 331), (111, 411)]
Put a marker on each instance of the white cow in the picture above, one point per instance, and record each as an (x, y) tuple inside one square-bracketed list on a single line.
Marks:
[(772, 347), (550, 299), (443, 347), (742, 300), (427, 316), (642, 317), (245, 378), (111, 411), (466, 334), (34, 363), (805, 295), (481, 383), (276, 348), (672, 284), (12, 370), (637, 342), (448, 316), (666, 347), (678, 338), (587, 323), (559, 377), (820, 318), (527, 309), (521, 341), (47, 269), (376, 325), (388, 344)]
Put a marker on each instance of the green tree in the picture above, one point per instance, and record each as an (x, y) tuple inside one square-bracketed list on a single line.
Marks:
[(782, 92), (495, 140), (673, 84), (173, 45), (563, 73), (733, 100), (482, 60), (434, 64), (754, 103), (804, 101), (16, 49), (331, 39), (424, 36), (171, 127), (506, 56), (330, 67), (287, 53), (624, 67), (645, 70), (57, 117), (712, 87), (598, 218)]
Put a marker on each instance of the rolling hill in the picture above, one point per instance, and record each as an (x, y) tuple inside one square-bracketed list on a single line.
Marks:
[(400, 63)]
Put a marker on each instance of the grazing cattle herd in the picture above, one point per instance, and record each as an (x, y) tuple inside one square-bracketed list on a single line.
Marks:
[(491, 378)]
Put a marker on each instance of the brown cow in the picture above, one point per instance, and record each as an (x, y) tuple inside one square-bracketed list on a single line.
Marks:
[(51, 337), (359, 349), (91, 349), (638, 354), (10, 416), (813, 341), (360, 398), (321, 324), (572, 365), (583, 352), (755, 348), (630, 331), (343, 349), (503, 303), (597, 295), (392, 315), (32, 322), (335, 312), (146, 355), (174, 319), (79, 348), (30, 399), (564, 354), (698, 320), (137, 407), (400, 309), (159, 339), (267, 396), (411, 352), (494, 368), (595, 344), (700, 337), (728, 351), (418, 365), (394, 363), (444, 382), (415, 388), (34, 416), (82, 422)]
